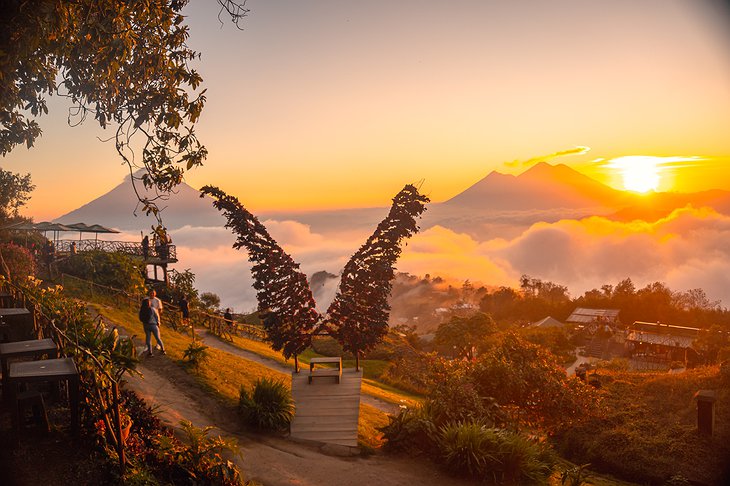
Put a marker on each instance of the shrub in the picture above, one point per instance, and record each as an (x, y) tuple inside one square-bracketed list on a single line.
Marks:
[(196, 354), (19, 261), (469, 449), (269, 406), (411, 431), (114, 270), (526, 379), (201, 459), (483, 453), (455, 396), (412, 373), (327, 346)]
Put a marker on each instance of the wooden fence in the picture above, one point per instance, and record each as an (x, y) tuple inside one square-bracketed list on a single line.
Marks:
[(172, 315), (164, 252)]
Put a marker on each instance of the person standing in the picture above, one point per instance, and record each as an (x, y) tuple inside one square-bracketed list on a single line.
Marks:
[(150, 317), (228, 318), (155, 303), (145, 247), (184, 309)]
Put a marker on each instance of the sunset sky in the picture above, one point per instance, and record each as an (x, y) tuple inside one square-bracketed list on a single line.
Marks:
[(338, 104)]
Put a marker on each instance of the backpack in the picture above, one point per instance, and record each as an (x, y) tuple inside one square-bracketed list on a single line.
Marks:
[(145, 312)]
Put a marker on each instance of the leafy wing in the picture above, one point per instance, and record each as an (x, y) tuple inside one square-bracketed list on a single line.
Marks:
[(281, 288), (358, 316)]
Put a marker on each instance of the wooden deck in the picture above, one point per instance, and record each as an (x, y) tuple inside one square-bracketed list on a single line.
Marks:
[(326, 411)]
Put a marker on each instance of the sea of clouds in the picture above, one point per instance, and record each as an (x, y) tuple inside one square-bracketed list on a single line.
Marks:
[(687, 249)]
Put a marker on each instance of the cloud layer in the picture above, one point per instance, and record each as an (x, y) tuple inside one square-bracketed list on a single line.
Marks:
[(688, 249)]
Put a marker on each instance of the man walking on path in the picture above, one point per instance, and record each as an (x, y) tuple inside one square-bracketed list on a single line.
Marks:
[(149, 314)]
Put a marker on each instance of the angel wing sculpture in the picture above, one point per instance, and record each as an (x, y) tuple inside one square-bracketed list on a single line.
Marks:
[(358, 316)]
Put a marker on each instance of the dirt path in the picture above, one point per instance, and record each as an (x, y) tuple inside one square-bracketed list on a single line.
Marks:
[(214, 342), (272, 461)]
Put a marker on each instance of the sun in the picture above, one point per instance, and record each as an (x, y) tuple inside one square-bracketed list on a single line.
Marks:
[(640, 173)]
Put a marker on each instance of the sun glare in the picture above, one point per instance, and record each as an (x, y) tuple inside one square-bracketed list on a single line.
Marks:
[(640, 173)]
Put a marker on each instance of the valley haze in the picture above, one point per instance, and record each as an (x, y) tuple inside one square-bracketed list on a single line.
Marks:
[(550, 222)]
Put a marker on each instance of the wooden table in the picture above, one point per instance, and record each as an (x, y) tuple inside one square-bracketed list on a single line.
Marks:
[(49, 370), (17, 324), (6, 299), (33, 348), (336, 372)]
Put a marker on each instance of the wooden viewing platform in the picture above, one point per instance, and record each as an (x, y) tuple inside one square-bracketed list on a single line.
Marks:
[(156, 255), (327, 411)]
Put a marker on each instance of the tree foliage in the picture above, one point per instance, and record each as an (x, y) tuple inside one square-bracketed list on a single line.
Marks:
[(124, 63), (114, 270), (464, 335), (15, 191), (358, 316), (281, 288), (183, 284), (527, 379), (19, 261)]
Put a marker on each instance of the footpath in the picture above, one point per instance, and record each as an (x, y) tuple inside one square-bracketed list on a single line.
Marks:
[(271, 460)]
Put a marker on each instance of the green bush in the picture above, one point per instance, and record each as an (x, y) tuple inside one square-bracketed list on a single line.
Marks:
[(113, 270), (269, 405), (411, 431), (470, 448), (18, 259), (201, 459), (195, 354), (327, 346)]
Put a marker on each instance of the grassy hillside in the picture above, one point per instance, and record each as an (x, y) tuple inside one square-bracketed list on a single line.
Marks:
[(223, 373), (648, 429)]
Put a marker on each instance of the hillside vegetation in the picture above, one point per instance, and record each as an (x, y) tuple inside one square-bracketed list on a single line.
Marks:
[(647, 428)]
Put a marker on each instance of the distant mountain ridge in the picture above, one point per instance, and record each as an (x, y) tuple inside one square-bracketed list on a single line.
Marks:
[(542, 186), (498, 205), (116, 209)]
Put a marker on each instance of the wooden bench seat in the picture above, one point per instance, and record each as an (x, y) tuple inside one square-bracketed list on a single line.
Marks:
[(336, 372)]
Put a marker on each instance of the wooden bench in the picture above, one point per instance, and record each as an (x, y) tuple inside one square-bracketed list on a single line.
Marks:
[(336, 372)]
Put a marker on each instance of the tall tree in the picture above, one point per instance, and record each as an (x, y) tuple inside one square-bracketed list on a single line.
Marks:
[(358, 316), (464, 336), (15, 191), (124, 63), (281, 288)]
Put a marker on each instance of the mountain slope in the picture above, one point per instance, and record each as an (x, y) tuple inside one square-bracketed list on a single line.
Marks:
[(116, 209), (543, 186)]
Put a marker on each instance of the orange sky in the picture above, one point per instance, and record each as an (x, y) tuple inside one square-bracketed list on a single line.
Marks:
[(335, 104)]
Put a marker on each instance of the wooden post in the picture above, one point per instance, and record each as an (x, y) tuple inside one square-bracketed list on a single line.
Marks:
[(705, 411), (357, 360)]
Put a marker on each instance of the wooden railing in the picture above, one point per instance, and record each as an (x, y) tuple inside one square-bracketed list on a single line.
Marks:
[(171, 315), (164, 252)]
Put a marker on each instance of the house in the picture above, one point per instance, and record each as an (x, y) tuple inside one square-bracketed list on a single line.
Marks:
[(593, 318), (661, 342), (547, 322)]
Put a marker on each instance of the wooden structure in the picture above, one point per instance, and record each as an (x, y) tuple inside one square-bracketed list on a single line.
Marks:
[(705, 411), (16, 324), (326, 411), (47, 370), (34, 348), (661, 343), (323, 372), (594, 318)]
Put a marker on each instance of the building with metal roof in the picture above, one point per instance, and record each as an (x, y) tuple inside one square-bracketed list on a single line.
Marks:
[(584, 316)]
